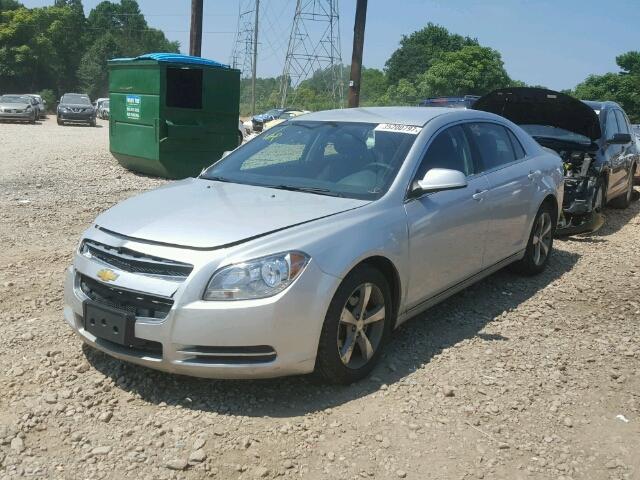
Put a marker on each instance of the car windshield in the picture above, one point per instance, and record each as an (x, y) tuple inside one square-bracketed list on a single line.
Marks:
[(76, 99), (555, 133), (15, 99), (355, 160)]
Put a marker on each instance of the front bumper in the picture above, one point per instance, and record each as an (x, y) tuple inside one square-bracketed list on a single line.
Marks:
[(263, 338), (76, 117), (22, 116)]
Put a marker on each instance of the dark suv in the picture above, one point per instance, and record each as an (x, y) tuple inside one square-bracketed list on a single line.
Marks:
[(594, 140), (76, 108)]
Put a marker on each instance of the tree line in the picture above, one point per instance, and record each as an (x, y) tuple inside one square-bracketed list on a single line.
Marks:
[(57, 49)]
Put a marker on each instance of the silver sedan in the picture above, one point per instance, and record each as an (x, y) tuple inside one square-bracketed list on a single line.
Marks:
[(18, 108), (303, 249)]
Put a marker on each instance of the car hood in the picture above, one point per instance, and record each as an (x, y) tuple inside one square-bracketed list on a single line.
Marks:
[(539, 106), (75, 105), (204, 214)]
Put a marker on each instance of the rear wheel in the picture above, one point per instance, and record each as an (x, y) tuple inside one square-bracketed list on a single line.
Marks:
[(623, 201), (356, 327), (540, 243)]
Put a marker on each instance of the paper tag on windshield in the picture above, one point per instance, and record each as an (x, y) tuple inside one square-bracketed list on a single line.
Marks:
[(398, 127)]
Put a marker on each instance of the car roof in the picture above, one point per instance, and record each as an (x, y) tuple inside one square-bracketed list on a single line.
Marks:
[(600, 105), (417, 116)]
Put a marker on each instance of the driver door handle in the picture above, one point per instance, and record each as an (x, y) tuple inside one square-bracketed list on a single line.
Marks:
[(479, 195), (533, 174)]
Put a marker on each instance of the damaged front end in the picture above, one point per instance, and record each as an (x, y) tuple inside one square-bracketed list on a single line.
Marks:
[(583, 193)]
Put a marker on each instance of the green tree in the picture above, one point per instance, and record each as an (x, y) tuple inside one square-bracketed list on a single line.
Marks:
[(373, 86), (418, 51), (472, 70), (93, 74), (6, 5), (622, 87)]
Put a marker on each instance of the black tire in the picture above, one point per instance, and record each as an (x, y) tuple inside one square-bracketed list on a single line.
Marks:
[(240, 138), (93, 123), (624, 200), (60, 122), (529, 264), (329, 364)]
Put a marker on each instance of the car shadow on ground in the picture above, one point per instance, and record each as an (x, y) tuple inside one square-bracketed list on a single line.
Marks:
[(413, 344), (86, 125)]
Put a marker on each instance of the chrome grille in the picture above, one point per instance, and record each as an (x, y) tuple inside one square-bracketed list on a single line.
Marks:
[(139, 304), (135, 262)]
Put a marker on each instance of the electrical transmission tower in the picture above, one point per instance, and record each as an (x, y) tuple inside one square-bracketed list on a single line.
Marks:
[(314, 48), (242, 54), (245, 50)]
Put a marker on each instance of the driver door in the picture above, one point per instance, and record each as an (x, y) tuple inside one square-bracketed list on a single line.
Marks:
[(447, 229)]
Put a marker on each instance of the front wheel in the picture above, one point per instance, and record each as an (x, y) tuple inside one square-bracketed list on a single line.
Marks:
[(356, 326), (540, 243)]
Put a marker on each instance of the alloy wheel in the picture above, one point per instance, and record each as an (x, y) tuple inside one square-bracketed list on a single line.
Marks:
[(361, 326), (542, 238)]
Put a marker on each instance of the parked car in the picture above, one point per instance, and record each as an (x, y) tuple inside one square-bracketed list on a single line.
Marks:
[(636, 130), (103, 111), (41, 104), (450, 102), (76, 108), (19, 108), (593, 139), (286, 115), (98, 103), (304, 248), (258, 121)]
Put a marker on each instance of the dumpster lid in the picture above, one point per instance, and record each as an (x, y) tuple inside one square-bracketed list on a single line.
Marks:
[(174, 58)]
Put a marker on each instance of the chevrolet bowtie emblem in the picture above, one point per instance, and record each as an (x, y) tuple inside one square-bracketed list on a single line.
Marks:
[(107, 275)]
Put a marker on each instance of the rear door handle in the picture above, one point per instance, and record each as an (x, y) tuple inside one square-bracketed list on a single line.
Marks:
[(479, 195), (533, 174)]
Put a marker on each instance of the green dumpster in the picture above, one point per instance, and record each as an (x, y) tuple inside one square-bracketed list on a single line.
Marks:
[(172, 115)]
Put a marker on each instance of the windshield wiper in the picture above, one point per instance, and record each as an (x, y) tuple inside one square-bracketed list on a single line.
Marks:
[(217, 179), (316, 190)]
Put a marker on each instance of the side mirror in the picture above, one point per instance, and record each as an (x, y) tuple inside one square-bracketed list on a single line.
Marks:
[(438, 179), (619, 139)]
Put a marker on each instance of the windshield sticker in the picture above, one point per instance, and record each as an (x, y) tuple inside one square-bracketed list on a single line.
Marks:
[(133, 107), (273, 136), (399, 128)]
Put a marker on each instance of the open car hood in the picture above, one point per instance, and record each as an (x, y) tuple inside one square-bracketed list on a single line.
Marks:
[(539, 106)]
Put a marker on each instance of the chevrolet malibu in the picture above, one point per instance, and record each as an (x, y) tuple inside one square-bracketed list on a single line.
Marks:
[(303, 249)]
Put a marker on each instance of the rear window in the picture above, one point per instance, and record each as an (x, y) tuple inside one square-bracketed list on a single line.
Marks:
[(184, 88)]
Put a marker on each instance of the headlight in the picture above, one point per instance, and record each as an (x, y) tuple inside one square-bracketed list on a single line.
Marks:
[(259, 278), (62, 109)]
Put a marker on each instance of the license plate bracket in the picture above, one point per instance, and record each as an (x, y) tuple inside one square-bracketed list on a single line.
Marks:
[(110, 324)]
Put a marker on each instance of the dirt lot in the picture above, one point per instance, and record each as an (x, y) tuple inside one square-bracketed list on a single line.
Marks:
[(514, 378)]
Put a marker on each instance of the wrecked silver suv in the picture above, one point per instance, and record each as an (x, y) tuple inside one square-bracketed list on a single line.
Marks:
[(593, 139)]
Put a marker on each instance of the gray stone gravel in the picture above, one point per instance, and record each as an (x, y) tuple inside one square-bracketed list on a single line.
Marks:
[(514, 378)]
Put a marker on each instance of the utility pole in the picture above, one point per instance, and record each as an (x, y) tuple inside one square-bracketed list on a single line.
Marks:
[(195, 39), (255, 61), (356, 56)]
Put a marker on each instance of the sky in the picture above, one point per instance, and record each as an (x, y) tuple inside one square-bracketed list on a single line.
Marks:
[(556, 43)]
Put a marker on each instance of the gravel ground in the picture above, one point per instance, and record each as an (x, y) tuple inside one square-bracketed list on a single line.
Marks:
[(513, 378)]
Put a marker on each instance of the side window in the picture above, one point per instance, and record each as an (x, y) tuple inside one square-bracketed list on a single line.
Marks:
[(449, 149), (623, 126), (493, 144), (611, 126), (517, 146)]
